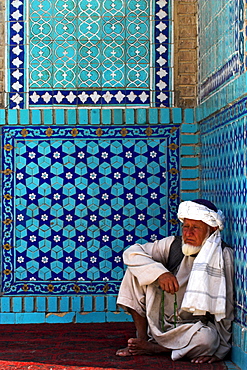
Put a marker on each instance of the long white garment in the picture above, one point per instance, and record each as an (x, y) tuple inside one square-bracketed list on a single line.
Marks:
[(193, 336), (206, 289)]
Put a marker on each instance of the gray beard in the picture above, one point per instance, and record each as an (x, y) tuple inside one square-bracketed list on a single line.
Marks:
[(189, 249)]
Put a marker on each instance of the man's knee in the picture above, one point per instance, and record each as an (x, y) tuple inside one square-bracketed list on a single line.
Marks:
[(204, 343)]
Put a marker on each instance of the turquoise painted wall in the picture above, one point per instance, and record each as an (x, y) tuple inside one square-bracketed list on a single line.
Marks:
[(222, 121)]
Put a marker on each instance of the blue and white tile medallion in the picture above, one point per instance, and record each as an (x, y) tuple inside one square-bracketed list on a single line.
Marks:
[(88, 53), (74, 198)]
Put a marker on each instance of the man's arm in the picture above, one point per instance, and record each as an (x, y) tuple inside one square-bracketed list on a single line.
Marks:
[(147, 261)]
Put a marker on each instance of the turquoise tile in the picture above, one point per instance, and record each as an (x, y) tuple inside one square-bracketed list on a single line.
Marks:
[(190, 162), (91, 317), (12, 117), (59, 117), (118, 317), (60, 318), (190, 196), (189, 139), (190, 185), (83, 116), (17, 304), (190, 150), (165, 115), (130, 116), (153, 116), (30, 318), (48, 116), (141, 116), (189, 128), (24, 116), (52, 304), (5, 304), (28, 304), (99, 303), (189, 115), (106, 116), (87, 304), (177, 115), (118, 116), (41, 304), (76, 304), (7, 318), (64, 304), (2, 117), (111, 303), (36, 117), (190, 173), (95, 116), (71, 114)]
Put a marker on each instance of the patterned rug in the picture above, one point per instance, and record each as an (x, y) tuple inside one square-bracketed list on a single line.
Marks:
[(79, 346)]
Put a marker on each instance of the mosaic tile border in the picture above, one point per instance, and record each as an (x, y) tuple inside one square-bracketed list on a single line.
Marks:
[(11, 136), (236, 64), (18, 84)]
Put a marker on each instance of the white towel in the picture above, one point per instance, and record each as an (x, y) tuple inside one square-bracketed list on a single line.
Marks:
[(206, 289)]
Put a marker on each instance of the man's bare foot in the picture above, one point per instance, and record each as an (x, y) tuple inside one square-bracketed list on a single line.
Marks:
[(137, 346), (123, 352)]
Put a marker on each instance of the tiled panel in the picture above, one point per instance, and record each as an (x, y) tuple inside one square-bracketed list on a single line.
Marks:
[(222, 45), (75, 197), (88, 52), (224, 182)]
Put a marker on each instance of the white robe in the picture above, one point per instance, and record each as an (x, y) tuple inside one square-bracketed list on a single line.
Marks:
[(194, 335)]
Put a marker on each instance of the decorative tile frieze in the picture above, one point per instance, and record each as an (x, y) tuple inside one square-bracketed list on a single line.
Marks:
[(83, 53)]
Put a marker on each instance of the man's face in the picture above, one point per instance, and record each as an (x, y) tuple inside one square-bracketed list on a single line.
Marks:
[(194, 232)]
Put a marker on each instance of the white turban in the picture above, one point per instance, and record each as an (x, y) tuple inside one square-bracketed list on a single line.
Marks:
[(200, 212)]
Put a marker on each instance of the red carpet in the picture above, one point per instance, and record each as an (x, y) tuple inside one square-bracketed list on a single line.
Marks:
[(79, 346)]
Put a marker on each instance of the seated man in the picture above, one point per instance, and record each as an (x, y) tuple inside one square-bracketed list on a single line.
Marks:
[(179, 291)]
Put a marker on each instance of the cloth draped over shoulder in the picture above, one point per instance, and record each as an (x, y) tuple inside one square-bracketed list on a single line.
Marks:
[(206, 290)]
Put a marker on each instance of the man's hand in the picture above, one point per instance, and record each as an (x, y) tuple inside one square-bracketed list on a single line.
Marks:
[(203, 359), (168, 282)]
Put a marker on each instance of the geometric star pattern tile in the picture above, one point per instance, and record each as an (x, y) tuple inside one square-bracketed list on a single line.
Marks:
[(74, 198), (224, 181), (88, 52)]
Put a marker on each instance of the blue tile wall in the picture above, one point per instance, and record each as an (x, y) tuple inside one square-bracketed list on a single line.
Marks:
[(88, 53), (223, 181), (222, 46)]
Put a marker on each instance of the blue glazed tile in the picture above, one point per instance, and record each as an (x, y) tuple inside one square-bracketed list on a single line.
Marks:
[(165, 115), (2, 117), (59, 117), (177, 115), (141, 116), (117, 116), (48, 116), (36, 117), (5, 304), (83, 116), (106, 116), (8, 318), (91, 317), (95, 116), (17, 304), (60, 319), (130, 116), (71, 114), (41, 304), (12, 117)]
